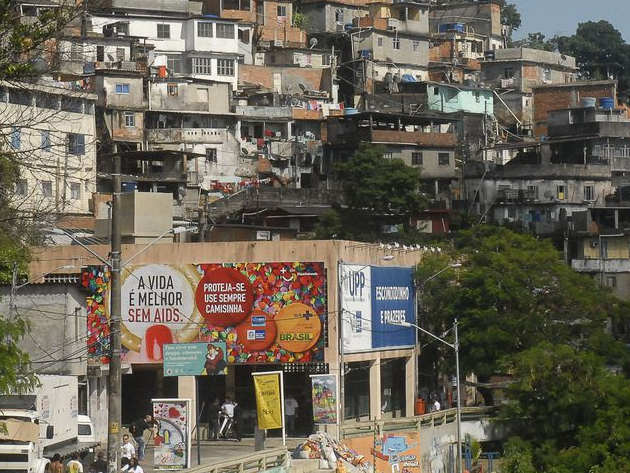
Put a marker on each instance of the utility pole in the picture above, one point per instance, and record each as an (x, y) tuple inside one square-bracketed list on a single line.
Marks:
[(114, 379)]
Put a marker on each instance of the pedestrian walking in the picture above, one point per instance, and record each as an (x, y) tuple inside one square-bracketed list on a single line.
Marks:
[(213, 420), (137, 430), (127, 449), (290, 412), (56, 466), (99, 465), (74, 465)]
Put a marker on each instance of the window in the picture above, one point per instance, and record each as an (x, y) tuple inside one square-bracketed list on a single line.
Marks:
[(76, 144), (202, 65), (511, 212), (396, 43), (21, 187), (211, 155), (130, 119), (174, 63), (508, 72), (225, 67), (611, 281), (339, 15), (532, 192), (15, 137), (560, 192), (75, 190), (281, 10), (120, 54), (326, 60), (260, 12), (243, 36), (444, 159), (436, 91), (204, 29), (416, 158), (380, 41), (47, 188), (46, 146), (164, 31), (100, 53), (47, 101), (122, 88), (589, 192), (388, 155), (416, 45), (172, 90), (71, 104), (225, 31), (20, 97), (624, 151), (608, 150)]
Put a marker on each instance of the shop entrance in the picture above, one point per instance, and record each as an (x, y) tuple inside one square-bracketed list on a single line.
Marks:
[(138, 388)]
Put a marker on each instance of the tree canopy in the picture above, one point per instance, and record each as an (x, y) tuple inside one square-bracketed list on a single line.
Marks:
[(377, 191), (524, 314), (600, 52)]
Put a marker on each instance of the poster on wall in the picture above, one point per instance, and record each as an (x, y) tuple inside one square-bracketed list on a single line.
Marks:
[(262, 312), (397, 452), (374, 300), (192, 359), (324, 397), (172, 442)]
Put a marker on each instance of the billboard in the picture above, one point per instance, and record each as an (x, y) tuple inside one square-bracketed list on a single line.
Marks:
[(263, 312), (373, 300), (192, 359)]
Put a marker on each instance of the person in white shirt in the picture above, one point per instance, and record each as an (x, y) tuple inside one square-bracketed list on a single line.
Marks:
[(134, 466), (74, 465), (290, 412), (436, 405), (127, 449)]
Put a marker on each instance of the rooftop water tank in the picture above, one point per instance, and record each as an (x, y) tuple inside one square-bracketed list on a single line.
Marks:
[(588, 102), (607, 103)]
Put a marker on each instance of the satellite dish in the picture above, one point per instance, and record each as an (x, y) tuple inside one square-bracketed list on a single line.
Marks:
[(244, 151), (301, 86), (313, 42), (454, 61), (110, 57)]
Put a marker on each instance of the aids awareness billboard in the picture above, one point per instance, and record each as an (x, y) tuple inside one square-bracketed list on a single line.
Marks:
[(263, 312), (374, 301)]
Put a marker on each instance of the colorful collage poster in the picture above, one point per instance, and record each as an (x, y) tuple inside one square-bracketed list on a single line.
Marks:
[(325, 396), (262, 312), (172, 442)]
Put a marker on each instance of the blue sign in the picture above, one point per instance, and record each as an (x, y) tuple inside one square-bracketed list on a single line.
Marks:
[(393, 302), (259, 321), (191, 359)]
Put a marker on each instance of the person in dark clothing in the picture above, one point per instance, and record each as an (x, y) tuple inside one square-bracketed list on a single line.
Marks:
[(99, 465), (137, 430), (213, 419)]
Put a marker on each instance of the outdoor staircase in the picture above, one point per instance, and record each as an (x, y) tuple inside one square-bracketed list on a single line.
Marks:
[(307, 466)]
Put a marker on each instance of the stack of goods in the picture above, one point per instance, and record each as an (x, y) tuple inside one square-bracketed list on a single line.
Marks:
[(332, 454)]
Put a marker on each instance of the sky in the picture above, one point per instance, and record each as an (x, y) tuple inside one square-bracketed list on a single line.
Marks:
[(561, 17)]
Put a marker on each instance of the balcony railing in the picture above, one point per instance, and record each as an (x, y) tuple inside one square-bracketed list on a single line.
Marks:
[(189, 135)]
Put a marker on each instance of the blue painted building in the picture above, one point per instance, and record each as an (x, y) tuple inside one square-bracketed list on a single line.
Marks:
[(448, 98)]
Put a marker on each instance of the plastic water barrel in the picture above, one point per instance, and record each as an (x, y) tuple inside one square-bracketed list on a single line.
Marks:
[(588, 102), (607, 102), (350, 111)]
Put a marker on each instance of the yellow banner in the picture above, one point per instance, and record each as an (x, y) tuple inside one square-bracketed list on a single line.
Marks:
[(268, 403)]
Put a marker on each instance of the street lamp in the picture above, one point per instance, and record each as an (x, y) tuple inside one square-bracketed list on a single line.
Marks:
[(455, 347), (341, 279)]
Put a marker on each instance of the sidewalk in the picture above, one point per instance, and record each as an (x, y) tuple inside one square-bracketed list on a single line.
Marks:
[(221, 450)]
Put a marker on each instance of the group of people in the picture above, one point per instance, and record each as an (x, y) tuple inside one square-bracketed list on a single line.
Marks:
[(224, 420)]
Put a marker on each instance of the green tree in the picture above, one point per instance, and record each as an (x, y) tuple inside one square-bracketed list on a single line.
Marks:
[(600, 52), (569, 409), (537, 41), (377, 191), (512, 293)]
